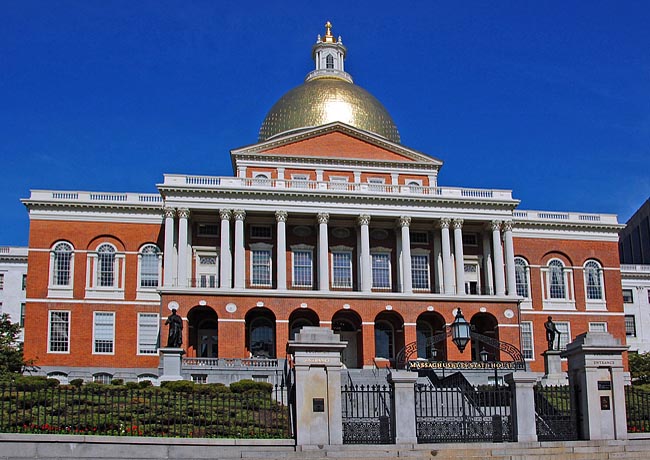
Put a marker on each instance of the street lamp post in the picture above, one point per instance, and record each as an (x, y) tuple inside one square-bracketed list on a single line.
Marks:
[(460, 331)]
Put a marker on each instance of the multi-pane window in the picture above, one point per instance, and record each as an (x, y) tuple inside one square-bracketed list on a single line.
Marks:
[(598, 327), (380, 270), (261, 231), (521, 277), (59, 332), (302, 268), (103, 332), (628, 296), (342, 269), (24, 286), (420, 271), (593, 280), (106, 266), (2, 281), (149, 266), (147, 333), (565, 331), (384, 340), (102, 377), (22, 314), (630, 326), (206, 269), (419, 237), (527, 347), (329, 61), (62, 264), (261, 267), (556, 284)]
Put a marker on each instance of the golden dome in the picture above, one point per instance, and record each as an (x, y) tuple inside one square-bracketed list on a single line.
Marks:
[(324, 100)]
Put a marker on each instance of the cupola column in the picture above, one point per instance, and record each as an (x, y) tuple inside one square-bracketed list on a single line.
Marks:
[(366, 271), (323, 253), (183, 216), (240, 255), (459, 256), (170, 252), (510, 258), (407, 280), (499, 281), (447, 269), (225, 275), (281, 219)]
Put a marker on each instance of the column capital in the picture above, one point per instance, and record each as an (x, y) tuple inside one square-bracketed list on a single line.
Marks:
[(363, 219), (225, 214), (323, 218), (281, 216), (507, 225), (458, 223), (239, 214), (170, 212), (444, 222), (404, 221), (495, 225), (184, 213)]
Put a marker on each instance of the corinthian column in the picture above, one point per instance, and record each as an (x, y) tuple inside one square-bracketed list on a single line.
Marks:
[(459, 256), (183, 216), (499, 281), (366, 273), (323, 254), (447, 269), (168, 256), (407, 280), (281, 219), (510, 258), (240, 258), (225, 275)]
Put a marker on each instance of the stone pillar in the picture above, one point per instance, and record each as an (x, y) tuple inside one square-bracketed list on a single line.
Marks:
[(553, 374), (225, 275), (170, 364), (487, 264), (510, 258), (596, 372), (323, 253), (183, 216), (366, 268), (317, 362), (281, 218), (459, 256), (169, 259), (240, 254), (447, 268), (407, 279), (499, 281), (403, 407), (523, 411)]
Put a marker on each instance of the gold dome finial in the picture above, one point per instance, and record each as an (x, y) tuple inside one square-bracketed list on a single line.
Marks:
[(328, 38)]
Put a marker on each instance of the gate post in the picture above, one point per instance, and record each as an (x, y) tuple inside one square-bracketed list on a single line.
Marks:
[(403, 407), (523, 400), (170, 366), (597, 385), (317, 364)]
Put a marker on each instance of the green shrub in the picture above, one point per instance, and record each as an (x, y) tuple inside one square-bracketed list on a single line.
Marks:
[(76, 382), (34, 382), (211, 389), (117, 382), (145, 384), (244, 386), (132, 385), (180, 386)]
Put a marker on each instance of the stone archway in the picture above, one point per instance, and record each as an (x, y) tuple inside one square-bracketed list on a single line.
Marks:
[(347, 324), (203, 332), (429, 324), (485, 324), (300, 318)]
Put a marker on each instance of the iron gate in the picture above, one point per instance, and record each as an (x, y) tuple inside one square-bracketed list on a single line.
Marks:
[(366, 413), (637, 406), (555, 414), (463, 413)]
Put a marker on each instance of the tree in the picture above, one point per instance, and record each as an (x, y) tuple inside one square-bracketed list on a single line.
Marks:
[(640, 367), (11, 352)]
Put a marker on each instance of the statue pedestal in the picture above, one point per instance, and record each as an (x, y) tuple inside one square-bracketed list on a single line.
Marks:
[(170, 364), (553, 374)]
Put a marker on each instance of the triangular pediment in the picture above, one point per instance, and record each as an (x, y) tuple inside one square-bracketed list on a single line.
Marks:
[(337, 141)]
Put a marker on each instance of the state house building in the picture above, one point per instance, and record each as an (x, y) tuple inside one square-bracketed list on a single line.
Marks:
[(328, 220)]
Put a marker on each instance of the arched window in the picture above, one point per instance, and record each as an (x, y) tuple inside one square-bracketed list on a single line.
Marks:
[(384, 339), (329, 61), (556, 280), (102, 377), (424, 332), (149, 266), (593, 280), (521, 277), (262, 338), (62, 264), (106, 265), (62, 377)]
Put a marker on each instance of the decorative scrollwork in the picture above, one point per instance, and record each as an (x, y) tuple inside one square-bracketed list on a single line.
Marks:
[(506, 347), (405, 353)]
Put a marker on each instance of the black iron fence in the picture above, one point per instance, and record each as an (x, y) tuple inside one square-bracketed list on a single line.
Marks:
[(555, 413), (637, 406), (463, 413), (366, 413), (208, 411)]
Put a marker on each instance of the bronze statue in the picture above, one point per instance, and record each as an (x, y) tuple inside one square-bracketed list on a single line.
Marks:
[(551, 332), (175, 337)]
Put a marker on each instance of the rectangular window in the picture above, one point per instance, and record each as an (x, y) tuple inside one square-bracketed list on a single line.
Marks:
[(302, 268), (627, 296), (199, 378), (469, 239), (24, 282), (262, 232), (380, 270), (261, 267), (2, 281), (148, 333), (527, 347), (419, 237), (376, 184), (420, 271), (207, 230), (342, 269), (299, 181), (598, 327), (207, 272), (103, 332), (630, 326), (22, 314), (565, 333), (59, 332)]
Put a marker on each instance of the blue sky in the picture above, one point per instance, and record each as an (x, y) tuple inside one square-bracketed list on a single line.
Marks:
[(550, 99)]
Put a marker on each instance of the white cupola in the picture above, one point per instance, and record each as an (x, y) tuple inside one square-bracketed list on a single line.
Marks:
[(329, 56)]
